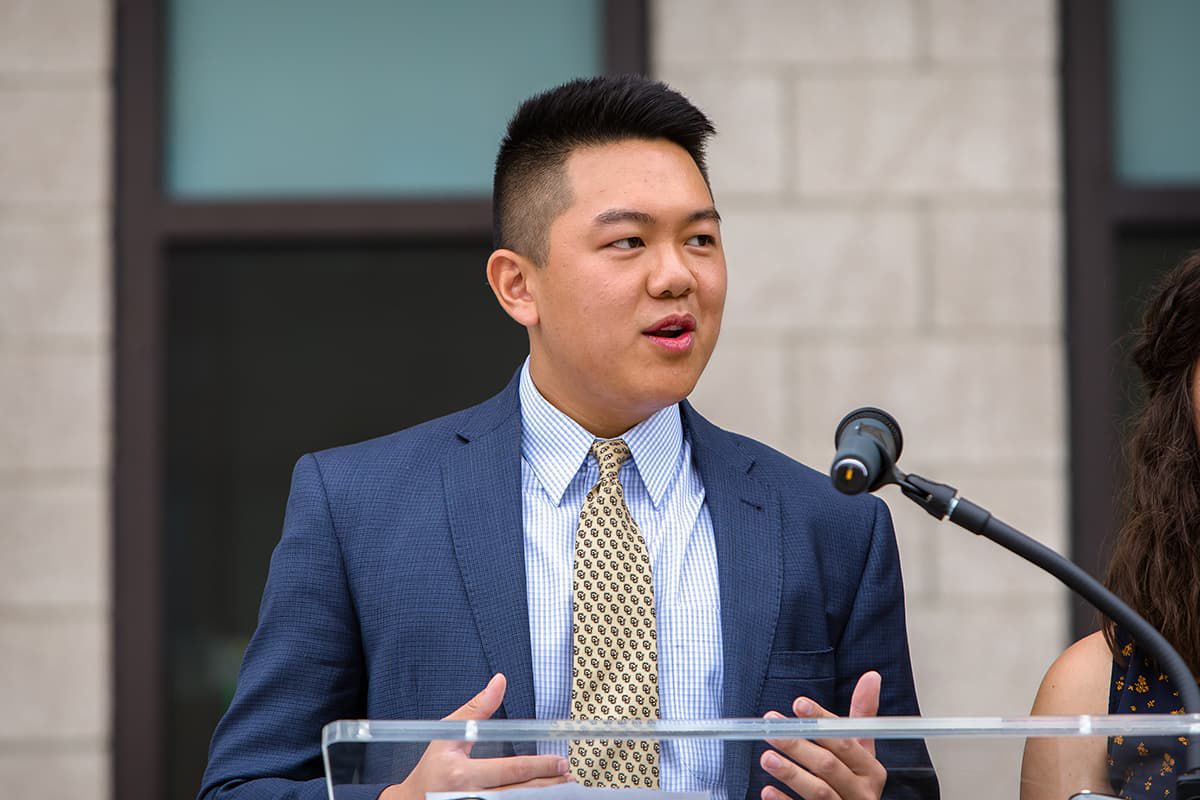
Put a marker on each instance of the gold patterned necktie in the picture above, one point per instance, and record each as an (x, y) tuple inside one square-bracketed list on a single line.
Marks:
[(614, 672)]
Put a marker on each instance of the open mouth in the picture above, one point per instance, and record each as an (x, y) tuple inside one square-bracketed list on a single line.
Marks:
[(672, 327), (674, 333)]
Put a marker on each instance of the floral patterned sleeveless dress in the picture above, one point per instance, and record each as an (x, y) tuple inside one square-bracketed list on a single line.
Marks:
[(1143, 768)]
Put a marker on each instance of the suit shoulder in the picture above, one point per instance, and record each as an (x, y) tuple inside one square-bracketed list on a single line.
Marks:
[(407, 439), (799, 484), (412, 449)]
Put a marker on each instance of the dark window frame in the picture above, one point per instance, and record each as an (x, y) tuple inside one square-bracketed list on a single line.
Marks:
[(1099, 210), (147, 223)]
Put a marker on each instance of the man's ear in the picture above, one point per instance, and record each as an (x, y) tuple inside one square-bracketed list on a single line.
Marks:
[(512, 278)]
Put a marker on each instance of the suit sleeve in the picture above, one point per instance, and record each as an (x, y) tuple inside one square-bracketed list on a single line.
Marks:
[(876, 638), (303, 667)]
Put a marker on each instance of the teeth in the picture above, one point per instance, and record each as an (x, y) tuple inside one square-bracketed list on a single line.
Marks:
[(671, 331)]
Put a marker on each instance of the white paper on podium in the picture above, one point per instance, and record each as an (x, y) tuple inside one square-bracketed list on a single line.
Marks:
[(570, 791)]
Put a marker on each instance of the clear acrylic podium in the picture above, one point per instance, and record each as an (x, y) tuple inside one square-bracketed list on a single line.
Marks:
[(975, 757)]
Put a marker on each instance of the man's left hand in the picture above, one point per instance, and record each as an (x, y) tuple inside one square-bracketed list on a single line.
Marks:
[(827, 769)]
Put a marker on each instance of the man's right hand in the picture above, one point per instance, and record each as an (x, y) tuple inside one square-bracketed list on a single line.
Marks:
[(448, 766)]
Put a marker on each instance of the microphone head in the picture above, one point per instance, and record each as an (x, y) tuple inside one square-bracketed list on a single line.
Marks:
[(878, 415), (868, 443)]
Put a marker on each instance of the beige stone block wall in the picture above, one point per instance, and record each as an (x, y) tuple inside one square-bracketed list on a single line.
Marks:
[(888, 174), (888, 171), (55, 374)]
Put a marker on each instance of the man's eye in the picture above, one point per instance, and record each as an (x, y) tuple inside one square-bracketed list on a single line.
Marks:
[(700, 240), (628, 243)]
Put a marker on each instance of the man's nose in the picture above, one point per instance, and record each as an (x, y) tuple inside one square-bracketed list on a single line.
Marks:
[(671, 276)]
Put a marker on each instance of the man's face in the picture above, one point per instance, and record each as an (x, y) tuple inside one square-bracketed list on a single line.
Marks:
[(629, 300)]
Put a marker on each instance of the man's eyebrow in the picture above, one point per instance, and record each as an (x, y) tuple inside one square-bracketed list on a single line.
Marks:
[(709, 213), (616, 215)]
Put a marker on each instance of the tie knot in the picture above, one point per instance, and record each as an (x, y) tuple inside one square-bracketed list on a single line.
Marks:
[(610, 454)]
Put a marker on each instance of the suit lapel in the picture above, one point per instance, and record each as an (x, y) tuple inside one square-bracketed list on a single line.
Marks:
[(747, 530), (482, 482)]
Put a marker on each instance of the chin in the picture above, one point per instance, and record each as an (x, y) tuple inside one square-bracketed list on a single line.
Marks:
[(668, 393)]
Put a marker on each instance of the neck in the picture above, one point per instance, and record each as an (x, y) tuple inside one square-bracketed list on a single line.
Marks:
[(602, 426), (601, 423)]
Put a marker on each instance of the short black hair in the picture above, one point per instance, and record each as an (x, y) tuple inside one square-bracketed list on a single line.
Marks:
[(529, 190)]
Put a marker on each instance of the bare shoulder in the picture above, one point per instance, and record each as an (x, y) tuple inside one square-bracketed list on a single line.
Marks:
[(1077, 681)]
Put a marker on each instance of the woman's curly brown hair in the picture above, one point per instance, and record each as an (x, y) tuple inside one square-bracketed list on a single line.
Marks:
[(1155, 564)]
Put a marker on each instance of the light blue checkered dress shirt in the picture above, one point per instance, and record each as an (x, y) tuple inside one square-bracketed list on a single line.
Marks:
[(666, 498)]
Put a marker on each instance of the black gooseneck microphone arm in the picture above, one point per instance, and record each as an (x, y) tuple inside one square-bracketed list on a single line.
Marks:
[(942, 500)]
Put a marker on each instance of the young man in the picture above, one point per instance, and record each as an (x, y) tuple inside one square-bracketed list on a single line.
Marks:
[(584, 544)]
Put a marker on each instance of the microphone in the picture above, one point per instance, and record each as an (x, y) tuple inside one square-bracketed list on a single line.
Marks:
[(868, 442)]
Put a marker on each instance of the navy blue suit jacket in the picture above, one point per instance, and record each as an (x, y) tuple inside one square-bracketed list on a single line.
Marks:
[(398, 589)]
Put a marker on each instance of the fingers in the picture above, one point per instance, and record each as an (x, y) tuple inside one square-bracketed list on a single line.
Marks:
[(842, 768), (813, 770), (768, 793), (857, 754), (447, 766), (832, 761), (481, 706), (484, 704), (508, 771), (808, 769), (865, 700), (535, 783)]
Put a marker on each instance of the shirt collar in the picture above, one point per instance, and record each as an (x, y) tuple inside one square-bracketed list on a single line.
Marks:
[(556, 445)]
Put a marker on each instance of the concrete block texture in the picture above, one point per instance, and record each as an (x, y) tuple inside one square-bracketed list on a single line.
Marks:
[(817, 269), (972, 566), (787, 32), (923, 134), (997, 268), (747, 154), (960, 565), (55, 283), (1012, 33), (54, 679), (981, 658), (757, 366), (981, 769), (49, 772), (969, 661), (55, 541), (908, 257), (944, 564), (54, 36), (54, 147), (961, 402), (55, 322), (56, 411)]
